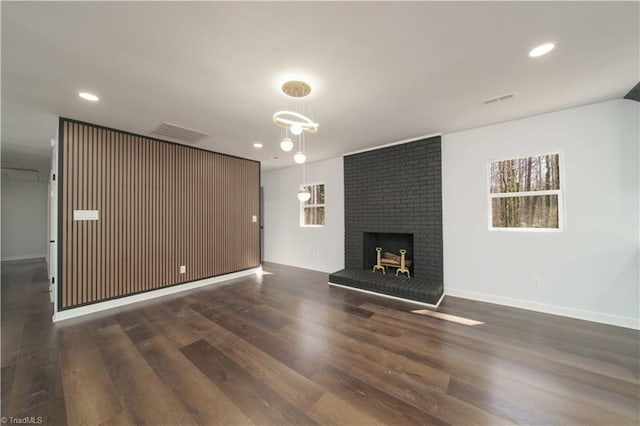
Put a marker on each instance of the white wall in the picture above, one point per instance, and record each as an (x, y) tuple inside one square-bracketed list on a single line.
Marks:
[(24, 219), (320, 249), (589, 271)]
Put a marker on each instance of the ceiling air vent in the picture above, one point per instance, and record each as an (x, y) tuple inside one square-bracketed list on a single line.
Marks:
[(19, 173), (179, 133), (499, 98), (20, 169)]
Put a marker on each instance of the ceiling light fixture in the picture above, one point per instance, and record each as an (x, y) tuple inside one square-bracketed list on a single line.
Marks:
[(257, 145), (286, 144), (304, 194), (541, 50), (294, 121), (88, 96), (300, 157), (298, 124)]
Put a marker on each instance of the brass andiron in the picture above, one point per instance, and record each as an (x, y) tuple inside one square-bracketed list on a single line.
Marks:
[(402, 268), (378, 265), (392, 260)]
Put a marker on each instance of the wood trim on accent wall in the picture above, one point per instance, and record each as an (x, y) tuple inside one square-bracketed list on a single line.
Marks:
[(160, 205)]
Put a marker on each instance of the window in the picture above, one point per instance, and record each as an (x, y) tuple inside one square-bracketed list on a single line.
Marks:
[(312, 211), (525, 194)]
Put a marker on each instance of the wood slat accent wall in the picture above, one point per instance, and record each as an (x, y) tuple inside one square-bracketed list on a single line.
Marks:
[(160, 205)]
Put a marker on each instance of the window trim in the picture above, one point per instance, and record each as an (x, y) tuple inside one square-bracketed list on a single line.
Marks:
[(303, 205), (559, 192)]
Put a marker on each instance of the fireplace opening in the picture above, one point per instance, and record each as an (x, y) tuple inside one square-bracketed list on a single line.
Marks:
[(391, 244)]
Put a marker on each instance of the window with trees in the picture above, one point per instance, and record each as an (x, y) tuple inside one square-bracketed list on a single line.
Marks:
[(525, 193), (312, 211)]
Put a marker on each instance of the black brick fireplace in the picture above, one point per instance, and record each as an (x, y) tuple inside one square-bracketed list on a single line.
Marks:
[(395, 190)]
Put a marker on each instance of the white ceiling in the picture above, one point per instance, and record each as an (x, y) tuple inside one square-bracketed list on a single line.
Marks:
[(380, 72)]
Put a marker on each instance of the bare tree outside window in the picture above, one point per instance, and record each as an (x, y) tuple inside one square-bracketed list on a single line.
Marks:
[(525, 192), (312, 211)]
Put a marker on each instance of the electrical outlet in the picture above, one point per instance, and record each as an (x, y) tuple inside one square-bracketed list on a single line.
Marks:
[(535, 282), (183, 269)]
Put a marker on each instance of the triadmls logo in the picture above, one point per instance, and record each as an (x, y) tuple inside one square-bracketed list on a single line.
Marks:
[(27, 420)]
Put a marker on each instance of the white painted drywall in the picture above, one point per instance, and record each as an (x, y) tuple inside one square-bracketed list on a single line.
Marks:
[(320, 249), (589, 271), (24, 219)]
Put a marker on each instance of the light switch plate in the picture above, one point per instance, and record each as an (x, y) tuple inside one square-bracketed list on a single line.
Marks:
[(254, 218), (85, 215)]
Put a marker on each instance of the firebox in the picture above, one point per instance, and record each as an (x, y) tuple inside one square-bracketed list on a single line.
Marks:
[(390, 243)]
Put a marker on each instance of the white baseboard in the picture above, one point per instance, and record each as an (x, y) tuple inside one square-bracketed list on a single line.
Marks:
[(616, 320), (313, 268), (430, 305), (24, 257), (110, 304)]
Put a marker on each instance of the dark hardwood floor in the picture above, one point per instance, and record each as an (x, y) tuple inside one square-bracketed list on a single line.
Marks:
[(287, 349)]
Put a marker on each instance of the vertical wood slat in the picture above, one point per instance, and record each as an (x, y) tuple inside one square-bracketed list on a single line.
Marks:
[(101, 204), (66, 257), (146, 198), (91, 258), (74, 226), (112, 284), (136, 222), (160, 206), (116, 283), (84, 247), (130, 216), (71, 194)]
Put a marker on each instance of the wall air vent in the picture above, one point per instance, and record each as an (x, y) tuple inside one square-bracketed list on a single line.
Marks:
[(179, 133), (500, 98)]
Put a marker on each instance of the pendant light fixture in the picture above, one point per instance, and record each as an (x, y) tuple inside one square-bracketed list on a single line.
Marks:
[(300, 158), (298, 124), (303, 192), (286, 144), (295, 121)]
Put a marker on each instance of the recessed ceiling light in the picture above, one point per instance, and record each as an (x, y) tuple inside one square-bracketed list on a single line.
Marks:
[(88, 96), (257, 145), (541, 50)]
